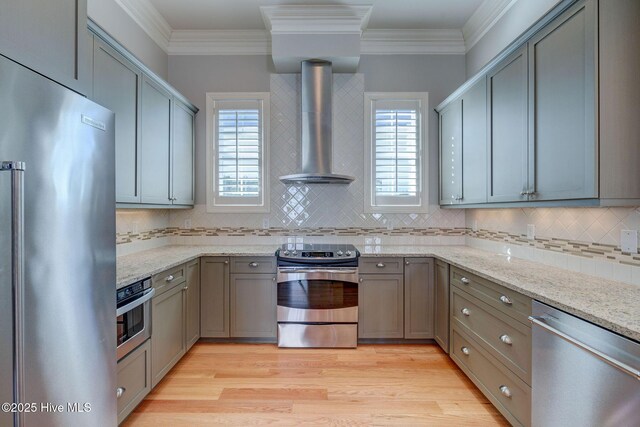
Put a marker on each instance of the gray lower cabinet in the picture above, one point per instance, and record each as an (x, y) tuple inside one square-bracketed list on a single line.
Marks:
[(134, 379), (168, 331), (116, 86), (562, 102), (155, 144), (253, 306), (214, 297), (192, 321), (441, 328), (507, 99), (418, 298), (381, 306), (48, 37)]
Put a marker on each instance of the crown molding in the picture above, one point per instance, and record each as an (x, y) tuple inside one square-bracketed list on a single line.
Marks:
[(149, 19), (483, 19), (219, 42), (315, 19), (412, 42)]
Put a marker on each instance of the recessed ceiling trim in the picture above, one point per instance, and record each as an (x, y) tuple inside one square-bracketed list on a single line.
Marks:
[(483, 19), (149, 19), (316, 19), (412, 42)]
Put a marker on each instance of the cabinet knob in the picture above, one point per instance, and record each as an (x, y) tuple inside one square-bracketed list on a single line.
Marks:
[(464, 280), (226, 262), (506, 300), (120, 391), (523, 193), (505, 391), (273, 279), (360, 280), (253, 264), (465, 311), (186, 288), (506, 339), (169, 278), (380, 265), (465, 351), (406, 263)]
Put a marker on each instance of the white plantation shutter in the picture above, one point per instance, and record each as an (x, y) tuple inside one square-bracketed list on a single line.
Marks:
[(395, 129), (238, 155)]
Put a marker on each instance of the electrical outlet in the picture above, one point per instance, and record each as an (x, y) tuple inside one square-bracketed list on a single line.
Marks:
[(134, 227), (474, 225), (629, 241), (187, 223), (265, 222), (531, 231)]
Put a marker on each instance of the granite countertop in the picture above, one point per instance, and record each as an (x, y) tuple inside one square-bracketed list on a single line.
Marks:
[(612, 305)]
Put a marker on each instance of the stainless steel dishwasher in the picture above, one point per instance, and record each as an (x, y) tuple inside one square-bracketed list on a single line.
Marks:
[(582, 375)]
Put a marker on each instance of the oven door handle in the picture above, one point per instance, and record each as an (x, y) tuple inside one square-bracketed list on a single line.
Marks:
[(146, 296), (295, 270)]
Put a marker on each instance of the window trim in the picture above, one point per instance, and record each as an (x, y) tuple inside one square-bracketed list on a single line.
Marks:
[(423, 146), (211, 147)]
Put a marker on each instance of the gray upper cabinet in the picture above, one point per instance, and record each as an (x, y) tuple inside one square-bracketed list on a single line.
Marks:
[(508, 133), (381, 306), (253, 306), (562, 119), (474, 144), (116, 86), (182, 147), (418, 298), (48, 37), (214, 297), (451, 153), (155, 146)]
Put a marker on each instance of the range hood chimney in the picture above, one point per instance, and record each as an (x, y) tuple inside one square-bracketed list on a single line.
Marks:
[(316, 140)]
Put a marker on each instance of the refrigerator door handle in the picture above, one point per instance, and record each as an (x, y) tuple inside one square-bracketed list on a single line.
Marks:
[(17, 277)]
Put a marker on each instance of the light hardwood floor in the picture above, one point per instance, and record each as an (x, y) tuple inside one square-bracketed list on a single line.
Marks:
[(257, 384)]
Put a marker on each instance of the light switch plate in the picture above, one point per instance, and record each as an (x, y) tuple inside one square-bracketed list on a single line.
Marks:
[(187, 223), (531, 231), (134, 227), (474, 226), (265, 222), (629, 241)]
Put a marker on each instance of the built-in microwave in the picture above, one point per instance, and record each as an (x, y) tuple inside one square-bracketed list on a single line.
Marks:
[(133, 316)]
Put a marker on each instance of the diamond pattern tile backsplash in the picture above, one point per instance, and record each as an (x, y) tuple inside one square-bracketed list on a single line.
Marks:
[(318, 205)]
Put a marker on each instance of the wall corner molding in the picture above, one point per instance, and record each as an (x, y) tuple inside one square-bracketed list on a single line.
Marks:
[(483, 19), (150, 20)]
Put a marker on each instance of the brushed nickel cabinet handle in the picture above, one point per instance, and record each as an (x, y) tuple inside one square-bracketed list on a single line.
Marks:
[(465, 351), (506, 300), (506, 339), (464, 280), (253, 264), (120, 391), (380, 265), (505, 391), (169, 278), (465, 311)]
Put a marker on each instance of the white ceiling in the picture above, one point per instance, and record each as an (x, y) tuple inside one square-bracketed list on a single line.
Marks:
[(245, 14)]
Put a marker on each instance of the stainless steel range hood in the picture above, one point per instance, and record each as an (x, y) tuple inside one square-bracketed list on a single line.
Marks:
[(316, 127)]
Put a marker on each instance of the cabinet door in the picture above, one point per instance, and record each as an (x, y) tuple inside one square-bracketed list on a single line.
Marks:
[(442, 304), (155, 147), (192, 321), (253, 305), (451, 153), (168, 332), (562, 105), (183, 155), (214, 297), (48, 37), (474, 144), (381, 306), (134, 379), (508, 103), (116, 86), (418, 298)]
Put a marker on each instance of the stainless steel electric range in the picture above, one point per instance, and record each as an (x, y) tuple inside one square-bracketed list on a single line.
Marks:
[(317, 295)]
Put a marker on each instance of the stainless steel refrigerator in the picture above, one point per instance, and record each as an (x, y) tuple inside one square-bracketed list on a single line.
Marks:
[(57, 254)]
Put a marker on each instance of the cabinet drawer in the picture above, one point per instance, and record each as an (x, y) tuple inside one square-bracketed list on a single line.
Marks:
[(508, 341), (377, 265), (265, 264), (164, 281), (509, 302), (134, 379), (510, 395)]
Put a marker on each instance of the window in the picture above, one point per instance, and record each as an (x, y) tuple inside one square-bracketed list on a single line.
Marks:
[(237, 152), (395, 152)]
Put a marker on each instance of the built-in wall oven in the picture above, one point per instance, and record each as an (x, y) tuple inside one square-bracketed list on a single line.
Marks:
[(133, 316), (317, 296)]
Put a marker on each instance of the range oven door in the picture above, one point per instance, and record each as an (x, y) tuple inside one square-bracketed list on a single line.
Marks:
[(317, 295)]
